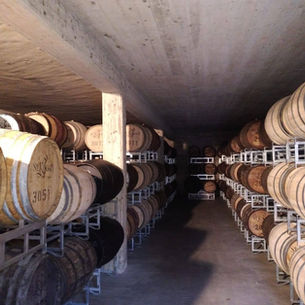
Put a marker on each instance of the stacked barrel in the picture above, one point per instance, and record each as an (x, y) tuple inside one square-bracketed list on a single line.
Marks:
[(149, 191), (200, 184), (283, 181)]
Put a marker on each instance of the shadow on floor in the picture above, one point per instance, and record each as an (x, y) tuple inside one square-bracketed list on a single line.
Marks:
[(161, 271)]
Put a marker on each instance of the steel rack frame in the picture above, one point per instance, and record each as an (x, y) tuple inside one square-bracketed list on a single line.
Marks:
[(201, 160), (201, 195)]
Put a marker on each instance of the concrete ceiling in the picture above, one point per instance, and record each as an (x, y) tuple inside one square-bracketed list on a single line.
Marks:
[(202, 64)]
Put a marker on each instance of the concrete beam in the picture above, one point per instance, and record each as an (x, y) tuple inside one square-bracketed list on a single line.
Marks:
[(50, 25)]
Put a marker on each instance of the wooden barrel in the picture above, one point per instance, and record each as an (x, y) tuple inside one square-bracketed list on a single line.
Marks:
[(140, 213), (54, 128), (253, 135), (229, 192), (264, 178), (267, 226), (209, 186), (94, 138), (133, 177), (194, 151), (75, 136), (240, 173), (161, 171), (19, 122), (222, 185), (236, 202), (274, 123), (244, 214), (153, 201), (156, 141), (254, 221), (33, 280), (252, 178), (78, 194), (227, 171), (162, 198), (110, 176), (294, 189), (147, 172), (209, 151), (221, 168), (276, 182), (141, 177), (155, 170), (294, 112), (132, 223), (235, 145), (239, 206), (107, 240), (34, 176), (209, 168), (234, 170), (138, 138), (282, 244), (297, 272), (76, 266), (233, 199)]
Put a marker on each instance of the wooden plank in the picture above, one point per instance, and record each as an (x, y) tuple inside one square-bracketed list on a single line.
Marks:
[(114, 144), (51, 26)]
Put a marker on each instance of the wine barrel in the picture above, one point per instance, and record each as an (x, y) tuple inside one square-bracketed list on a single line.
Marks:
[(209, 151), (236, 202), (209, 168), (162, 198), (31, 281), (244, 214), (267, 226), (234, 170), (148, 174), (75, 136), (133, 177), (222, 185), (209, 186), (235, 145), (19, 122), (110, 176), (252, 178), (221, 168), (233, 199), (194, 151), (229, 192), (282, 244), (254, 221), (294, 188), (54, 128), (34, 175), (107, 240), (140, 213), (239, 206), (264, 178), (274, 123), (138, 138), (240, 173), (293, 113), (76, 266), (253, 135), (78, 194), (276, 181), (156, 141), (297, 272), (154, 202), (94, 138), (132, 222)]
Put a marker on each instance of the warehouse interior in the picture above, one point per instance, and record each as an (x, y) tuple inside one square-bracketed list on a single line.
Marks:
[(196, 72)]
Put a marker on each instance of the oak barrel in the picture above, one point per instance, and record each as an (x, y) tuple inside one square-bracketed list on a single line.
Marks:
[(282, 244), (75, 136), (267, 226), (276, 182), (78, 194), (252, 178), (94, 138), (209, 186), (140, 213), (255, 221), (33, 280), (297, 272), (54, 128), (133, 177), (235, 145), (34, 176), (76, 266), (110, 177), (132, 222), (274, 123), (294, 189), (294, 113), (209, 151), (107, 240), (253, 135)]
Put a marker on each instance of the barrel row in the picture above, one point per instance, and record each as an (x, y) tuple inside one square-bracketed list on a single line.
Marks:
[(45, 279), (202, 168), (141, 175), (193, 184), (74, 135), (140, 215)]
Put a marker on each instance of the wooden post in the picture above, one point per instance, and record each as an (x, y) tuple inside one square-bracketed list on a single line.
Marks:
[(114, 150)]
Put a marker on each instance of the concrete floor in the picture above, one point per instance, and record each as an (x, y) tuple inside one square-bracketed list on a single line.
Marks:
[(195, 256)]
